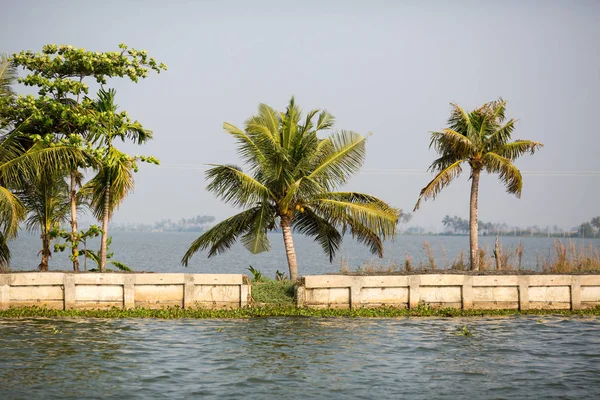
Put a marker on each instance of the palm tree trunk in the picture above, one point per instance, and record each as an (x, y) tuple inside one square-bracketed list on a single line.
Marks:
[(103, 246), (74, 239), (286, 227), (473, 220), (45, 252)]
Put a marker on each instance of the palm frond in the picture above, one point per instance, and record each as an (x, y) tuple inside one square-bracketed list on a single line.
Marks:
[(440, 181), (247, 149), (255, 240), (357, 209), (222, 236), (311, 224), (509, 173), (345, 159), (121, 266), (8, 75), (451, 142), (233, 186), (514, 150), (11, 212), (114, 176), (501, 136)]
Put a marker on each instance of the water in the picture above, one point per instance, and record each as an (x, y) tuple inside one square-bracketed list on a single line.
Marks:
[(309, 358), (162, 252)]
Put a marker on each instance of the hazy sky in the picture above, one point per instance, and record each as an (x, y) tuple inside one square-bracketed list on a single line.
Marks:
[(387, 67)]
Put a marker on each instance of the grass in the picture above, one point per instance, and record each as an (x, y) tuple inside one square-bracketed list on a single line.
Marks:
[(565, 258), (278, 311), (279, 293)]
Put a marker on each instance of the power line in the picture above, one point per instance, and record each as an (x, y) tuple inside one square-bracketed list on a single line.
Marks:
[(398, 171)]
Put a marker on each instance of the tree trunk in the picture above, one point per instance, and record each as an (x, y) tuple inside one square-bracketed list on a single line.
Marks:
[(45, 252), (103, 246), (286, 227), (74, 238), (497, 255), (473, 221)]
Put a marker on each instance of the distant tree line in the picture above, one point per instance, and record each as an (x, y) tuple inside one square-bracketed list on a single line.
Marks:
[(455, 225), (198, 223)]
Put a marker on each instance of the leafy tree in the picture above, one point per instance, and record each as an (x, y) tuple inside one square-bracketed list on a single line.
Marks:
[(114, 179), (586, 230), (290, 183), (481, 139), (60, 73), (595, 222)]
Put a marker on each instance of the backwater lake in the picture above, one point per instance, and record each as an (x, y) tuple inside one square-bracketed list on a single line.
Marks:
[(533, 357), (162, 252), (538, 357)]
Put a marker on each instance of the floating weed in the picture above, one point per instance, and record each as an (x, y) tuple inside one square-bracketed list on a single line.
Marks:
[(278, 310), (464, 331)]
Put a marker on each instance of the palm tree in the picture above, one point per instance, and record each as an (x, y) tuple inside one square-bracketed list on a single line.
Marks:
[(481, 139), (8, 76), (47, 201), (292, 173), (114, 179), (19, 167)]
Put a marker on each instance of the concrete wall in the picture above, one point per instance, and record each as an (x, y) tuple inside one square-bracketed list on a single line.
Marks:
[(100, 291), (522, 292)]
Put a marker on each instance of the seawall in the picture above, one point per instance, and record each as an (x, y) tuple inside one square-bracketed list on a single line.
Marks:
[(469, 292), (66, 291)]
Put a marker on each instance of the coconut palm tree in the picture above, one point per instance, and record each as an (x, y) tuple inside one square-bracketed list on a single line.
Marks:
[(19, 167), (481, 139), (290, 181), (8, 76), (47, 203), (114, 179)]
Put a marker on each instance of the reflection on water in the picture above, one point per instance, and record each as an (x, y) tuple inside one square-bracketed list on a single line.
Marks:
[(540, 357)]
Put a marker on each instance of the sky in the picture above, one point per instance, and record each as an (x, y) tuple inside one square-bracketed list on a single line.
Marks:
[(390, 68)]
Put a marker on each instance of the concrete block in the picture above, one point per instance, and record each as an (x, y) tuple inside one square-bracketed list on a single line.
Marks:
[(467, 293), (50, 304), (384, 295), (18, 293), (414, 291), (328, 296), (575, 292), (158, 293), (549, 294), (590, 280), (437, 294), (549, 280), (523, 292), (442, 280), (91, 293), (159, 279), (496, 305), (4, 296), (495, 294), (590, 293), (495, 280), (98, 305), (217, 294)]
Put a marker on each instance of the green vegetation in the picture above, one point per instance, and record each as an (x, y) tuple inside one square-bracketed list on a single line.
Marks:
[(481, 139), (280, 311), (292, 175), (279, 293), (62, 114)]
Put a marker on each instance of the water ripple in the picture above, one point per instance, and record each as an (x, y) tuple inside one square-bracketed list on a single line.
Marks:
[(421, 358)]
